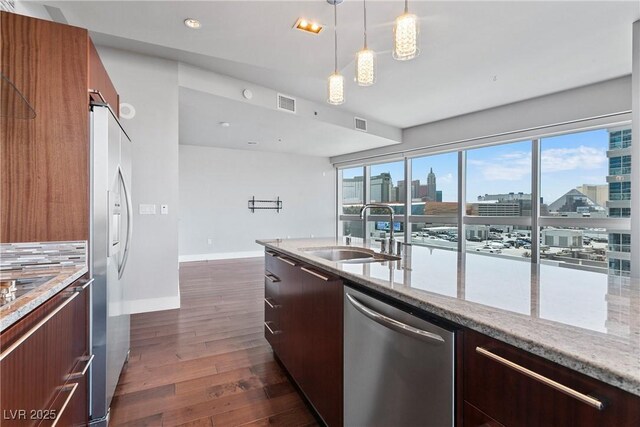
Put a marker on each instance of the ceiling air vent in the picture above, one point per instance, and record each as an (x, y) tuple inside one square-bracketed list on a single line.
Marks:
[(8, 5), (361, 124), (286, 103)]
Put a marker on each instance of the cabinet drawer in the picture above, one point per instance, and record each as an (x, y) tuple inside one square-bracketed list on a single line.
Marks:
[(41, 351), (517, 388), (271, 285)]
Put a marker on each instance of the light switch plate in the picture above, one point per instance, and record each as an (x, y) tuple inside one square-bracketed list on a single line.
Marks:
[(146, 209)]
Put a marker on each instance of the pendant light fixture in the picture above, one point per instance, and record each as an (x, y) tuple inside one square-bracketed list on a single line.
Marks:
[(405, 35), (336, 80), (365, 58)]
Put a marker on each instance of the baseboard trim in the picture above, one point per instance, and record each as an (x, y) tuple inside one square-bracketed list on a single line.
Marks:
[(220, 255), (151, 304)]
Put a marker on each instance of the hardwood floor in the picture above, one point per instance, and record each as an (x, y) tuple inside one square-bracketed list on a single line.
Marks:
[(208, 363)]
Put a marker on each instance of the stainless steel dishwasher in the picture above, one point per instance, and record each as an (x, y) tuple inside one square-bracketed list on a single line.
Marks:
[(398, 368)]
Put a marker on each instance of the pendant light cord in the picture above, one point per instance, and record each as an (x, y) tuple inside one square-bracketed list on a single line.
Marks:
[(406, 6), (365, 23), (335, 35)]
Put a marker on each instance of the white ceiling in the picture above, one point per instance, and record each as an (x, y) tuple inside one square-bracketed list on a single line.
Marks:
[(201, 114), (475, 55)]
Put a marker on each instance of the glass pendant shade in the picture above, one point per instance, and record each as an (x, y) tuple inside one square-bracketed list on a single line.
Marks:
[(336, 89), (366, 67), (405, 37)]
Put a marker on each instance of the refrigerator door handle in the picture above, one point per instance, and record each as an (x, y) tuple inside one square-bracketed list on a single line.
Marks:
[(127, 197)]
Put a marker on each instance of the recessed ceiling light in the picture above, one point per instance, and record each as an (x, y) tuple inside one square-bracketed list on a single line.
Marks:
[(192, 23), (252, 143), (307, 26), (225, 124)]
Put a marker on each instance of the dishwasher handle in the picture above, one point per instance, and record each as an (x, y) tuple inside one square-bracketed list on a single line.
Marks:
[(393, 324)]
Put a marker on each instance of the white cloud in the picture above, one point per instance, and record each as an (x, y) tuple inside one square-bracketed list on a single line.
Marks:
[(506, 167), (517, 165), (566, 159), (446, 179)]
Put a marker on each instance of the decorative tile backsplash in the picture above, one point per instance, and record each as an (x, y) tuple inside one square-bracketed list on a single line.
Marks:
[(32, 255)]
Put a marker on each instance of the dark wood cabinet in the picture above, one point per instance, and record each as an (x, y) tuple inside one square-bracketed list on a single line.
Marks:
[(321, 336), (44, 161), (503, 394), (44, 363), (303, 324)]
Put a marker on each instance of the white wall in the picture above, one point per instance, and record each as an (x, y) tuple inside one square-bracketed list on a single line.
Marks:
[(608, 97), (150, 85), (216, 183)]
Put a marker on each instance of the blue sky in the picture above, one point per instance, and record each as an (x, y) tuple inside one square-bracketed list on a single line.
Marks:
[(567, 161)]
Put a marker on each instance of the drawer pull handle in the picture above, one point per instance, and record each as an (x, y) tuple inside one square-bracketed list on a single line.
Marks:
[(270, 253), (7, 351), (313, 273), (272, 278), (76, 375), (591, 401), (288, 261), (274, 306), (394, 324), (71, 389), (271, 330)]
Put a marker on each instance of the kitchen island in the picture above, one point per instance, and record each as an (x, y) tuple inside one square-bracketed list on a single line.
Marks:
[(585, 321)]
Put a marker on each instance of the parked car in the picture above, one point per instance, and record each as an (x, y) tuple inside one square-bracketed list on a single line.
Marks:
[(490, 249), (507, 244), (474, 239), (496, 245), (527, 246)]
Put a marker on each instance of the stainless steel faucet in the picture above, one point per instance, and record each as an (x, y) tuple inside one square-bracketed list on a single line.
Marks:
[(392, 242)]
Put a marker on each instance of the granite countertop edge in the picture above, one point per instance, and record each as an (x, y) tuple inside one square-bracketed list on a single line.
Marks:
[(62, 277), (587, 367)]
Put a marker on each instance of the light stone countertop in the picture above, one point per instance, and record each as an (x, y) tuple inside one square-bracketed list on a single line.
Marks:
[(585, 321), (59, 277)]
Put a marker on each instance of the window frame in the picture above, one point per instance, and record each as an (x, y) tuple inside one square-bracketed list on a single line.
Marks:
[(535, 221)]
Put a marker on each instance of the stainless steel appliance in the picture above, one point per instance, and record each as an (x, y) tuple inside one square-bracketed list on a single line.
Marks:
[(398, 368), (110, 241)]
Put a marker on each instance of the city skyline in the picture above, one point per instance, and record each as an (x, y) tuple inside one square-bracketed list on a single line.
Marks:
[(567, 162)]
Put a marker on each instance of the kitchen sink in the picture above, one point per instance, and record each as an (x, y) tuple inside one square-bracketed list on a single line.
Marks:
[(349, 254)]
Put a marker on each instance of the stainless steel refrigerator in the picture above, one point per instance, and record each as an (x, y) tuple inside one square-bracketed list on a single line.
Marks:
[(110, 241)]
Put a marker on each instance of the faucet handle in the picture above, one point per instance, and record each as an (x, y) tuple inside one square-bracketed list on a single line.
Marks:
[(347, 240), (383, 245)]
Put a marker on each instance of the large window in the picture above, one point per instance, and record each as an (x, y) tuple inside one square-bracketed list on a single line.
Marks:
[(499, 180), (434, 201), (563, 199)]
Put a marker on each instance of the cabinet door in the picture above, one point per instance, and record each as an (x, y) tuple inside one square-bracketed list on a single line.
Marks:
[(321, 334), (44, 161), (40, 355), (512, 398)]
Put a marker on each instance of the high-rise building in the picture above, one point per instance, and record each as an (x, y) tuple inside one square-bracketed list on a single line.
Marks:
[(381, 188), (431, 186), (353, 190), (619, 203)]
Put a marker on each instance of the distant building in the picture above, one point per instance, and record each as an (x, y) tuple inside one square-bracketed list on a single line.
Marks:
[(597, 193), (440, 208), (506, 204), (415, 188), (562, 238), (495, 208), (381, 188), (438, 196), (573, 201), (431, 186), (353, 190)]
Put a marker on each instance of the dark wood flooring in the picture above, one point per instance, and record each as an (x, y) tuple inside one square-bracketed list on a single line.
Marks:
[(207, 364)]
